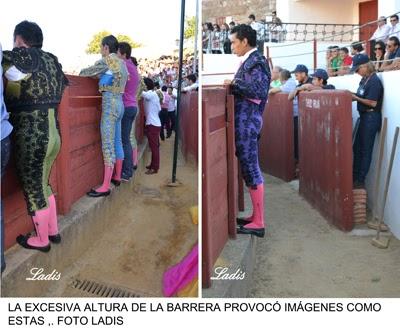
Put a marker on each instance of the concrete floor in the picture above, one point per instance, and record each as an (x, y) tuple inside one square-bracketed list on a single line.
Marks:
[(303, 256), (153, 230)]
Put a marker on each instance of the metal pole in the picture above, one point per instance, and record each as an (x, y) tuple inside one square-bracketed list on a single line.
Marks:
[(196, 34), (315, 53), (179, 91)]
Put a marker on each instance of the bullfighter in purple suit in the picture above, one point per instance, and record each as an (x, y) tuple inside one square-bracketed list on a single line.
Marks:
[(250, 88)]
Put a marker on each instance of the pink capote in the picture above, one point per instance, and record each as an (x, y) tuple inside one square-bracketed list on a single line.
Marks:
[(180, 275)]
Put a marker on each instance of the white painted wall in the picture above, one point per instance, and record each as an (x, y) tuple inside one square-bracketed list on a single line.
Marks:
[(293, 48), (388, 7), (391, 110), (318, 11)]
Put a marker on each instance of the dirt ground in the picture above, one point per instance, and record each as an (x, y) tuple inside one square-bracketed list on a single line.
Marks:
[(303, 256), (153, 230)]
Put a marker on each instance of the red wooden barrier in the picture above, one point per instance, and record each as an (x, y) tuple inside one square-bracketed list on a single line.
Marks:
[(79, 165), (276, 148), (139, 122), (189, 134), (325, 141), (219, 176)]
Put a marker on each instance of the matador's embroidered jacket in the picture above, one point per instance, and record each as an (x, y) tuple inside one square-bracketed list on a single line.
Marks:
[(250, 88), (43, 84), (116, 66)]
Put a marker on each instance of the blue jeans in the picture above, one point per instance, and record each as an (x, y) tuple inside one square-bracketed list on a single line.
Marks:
[(370, 124), (110, 127), (126, 127), (5, 156)]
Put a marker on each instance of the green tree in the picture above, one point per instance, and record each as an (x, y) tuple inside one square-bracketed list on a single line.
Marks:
[(190, 27), (93, 46)]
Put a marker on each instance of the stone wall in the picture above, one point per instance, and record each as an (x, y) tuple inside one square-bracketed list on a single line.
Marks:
[(239, 10)]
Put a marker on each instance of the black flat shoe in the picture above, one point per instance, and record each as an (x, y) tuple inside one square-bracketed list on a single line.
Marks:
[(116, 182), (55, 238), (148, 167), (259, 232), (94, 194), (22, 240), (135, 167), (242, 221)]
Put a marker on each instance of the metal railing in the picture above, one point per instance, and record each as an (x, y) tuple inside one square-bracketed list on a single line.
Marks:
[(308, 31)]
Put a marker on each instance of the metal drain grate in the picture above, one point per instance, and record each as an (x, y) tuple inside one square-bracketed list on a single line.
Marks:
[(92, 288)]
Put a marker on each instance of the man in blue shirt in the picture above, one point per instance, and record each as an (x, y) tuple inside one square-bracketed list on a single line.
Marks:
[(6, 129), (369, 99), (392, 53), (319, 81)]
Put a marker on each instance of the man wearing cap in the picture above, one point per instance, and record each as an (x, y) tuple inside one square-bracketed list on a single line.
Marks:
[(319, 81), (301, 74), (369, 99)]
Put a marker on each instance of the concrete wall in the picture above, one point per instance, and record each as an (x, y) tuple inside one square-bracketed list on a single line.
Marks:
[(318, 11), (236, 10), (391, 111), (388, 7)]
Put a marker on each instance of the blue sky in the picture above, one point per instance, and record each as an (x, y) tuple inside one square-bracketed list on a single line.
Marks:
[(69, 25)]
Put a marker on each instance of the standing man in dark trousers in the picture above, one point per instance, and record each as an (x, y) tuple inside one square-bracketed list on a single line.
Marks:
[(301, 74), (369, 99), (250, 88)]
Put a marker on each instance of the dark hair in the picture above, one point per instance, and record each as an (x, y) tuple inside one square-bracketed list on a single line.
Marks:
[(111, 42), (395, 40), (345, 49), (244, 31), (157, 84), (30, 32), (134, 61), (217, 26), (209, 26), (285, 74), (164, 88), (232, 23), (149, 83), (226, 26), (383, 48), (192, 77), (252, 17), (357, 46), (274, 12), (395, 16), (125, 49)]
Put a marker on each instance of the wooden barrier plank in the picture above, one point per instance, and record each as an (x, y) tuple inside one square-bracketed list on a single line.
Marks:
[(325, 141), (276, 145)]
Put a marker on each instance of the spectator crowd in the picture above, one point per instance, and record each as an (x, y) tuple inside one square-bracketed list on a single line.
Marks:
[(384, 45)]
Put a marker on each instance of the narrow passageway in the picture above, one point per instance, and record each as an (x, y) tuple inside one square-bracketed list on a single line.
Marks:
[(152, 230), (303, 256)]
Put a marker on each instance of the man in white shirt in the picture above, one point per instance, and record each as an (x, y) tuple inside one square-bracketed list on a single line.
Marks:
[(395, 27), (153, 124), (259, 28), (382, 32), (171, 111), (192, 84)]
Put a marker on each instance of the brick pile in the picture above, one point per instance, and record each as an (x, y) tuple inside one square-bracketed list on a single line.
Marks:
[(360, 206)]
